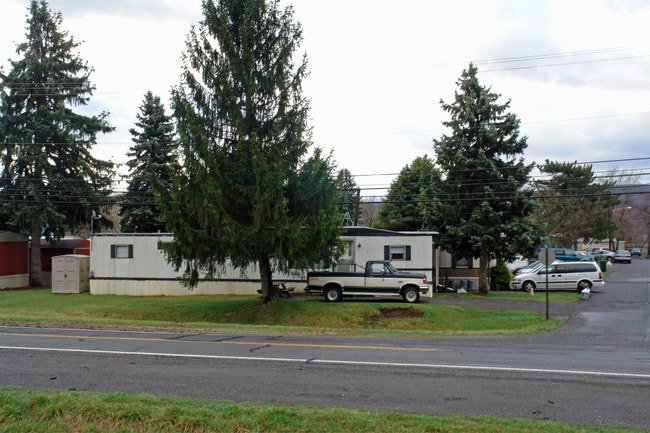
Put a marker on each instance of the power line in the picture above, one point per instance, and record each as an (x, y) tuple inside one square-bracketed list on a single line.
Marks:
[(537, 122), (515, 68), (610, 161), (555, 55)]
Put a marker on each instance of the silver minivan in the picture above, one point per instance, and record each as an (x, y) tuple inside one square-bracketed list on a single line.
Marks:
[(561, 276)]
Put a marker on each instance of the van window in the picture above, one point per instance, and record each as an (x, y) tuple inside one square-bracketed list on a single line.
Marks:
[(586, 267), (573, 267), (562, 268)]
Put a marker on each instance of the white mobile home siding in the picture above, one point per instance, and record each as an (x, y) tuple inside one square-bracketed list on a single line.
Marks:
[(133, 264), (412, 251)]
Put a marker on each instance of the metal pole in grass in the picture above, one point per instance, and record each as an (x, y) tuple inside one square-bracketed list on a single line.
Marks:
[(546, 257), (547, 286)]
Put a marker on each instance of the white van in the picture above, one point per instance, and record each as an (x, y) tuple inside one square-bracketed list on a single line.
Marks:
[(562, 276)]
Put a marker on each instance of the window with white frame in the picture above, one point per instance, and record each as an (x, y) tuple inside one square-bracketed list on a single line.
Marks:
[(397, 252), (462, 262), (122, 251), (349, 249)]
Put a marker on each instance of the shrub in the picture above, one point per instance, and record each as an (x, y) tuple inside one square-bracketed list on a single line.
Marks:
[(500, 276)]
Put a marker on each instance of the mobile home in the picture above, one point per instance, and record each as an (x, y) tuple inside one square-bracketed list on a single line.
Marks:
[(134, 264)]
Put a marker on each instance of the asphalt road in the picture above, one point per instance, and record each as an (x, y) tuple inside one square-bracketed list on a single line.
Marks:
[(594, 370)]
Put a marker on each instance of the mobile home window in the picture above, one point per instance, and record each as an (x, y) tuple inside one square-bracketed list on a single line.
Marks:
[(121, 251), (349, 248), (397, 252), (462, 262), (163, 244)]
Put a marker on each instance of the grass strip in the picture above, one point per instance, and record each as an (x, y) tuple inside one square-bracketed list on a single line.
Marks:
[(366, 317), (75, 411)]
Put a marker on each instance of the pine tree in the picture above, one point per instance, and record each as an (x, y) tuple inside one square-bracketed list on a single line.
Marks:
[(348, 197), (573, 204), (412, 198), (153, 157), (486, 203), (247, 194), (50, 181)]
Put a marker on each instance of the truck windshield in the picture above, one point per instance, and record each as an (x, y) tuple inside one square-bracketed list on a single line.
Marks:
[(389, 268)]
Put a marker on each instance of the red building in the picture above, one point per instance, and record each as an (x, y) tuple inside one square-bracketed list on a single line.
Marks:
[(14, 260), (61, 247)]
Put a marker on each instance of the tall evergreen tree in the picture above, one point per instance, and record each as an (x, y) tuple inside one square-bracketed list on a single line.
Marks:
[(487, 201), (246, 193), (348, 197), (153, 157), (573, 204), (411, 197), (50, 181)]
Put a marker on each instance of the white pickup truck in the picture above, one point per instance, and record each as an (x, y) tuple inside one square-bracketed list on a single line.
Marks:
[(380, 279)]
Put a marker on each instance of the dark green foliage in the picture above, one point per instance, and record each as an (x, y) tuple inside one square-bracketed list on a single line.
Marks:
[(348, 197), (500, 276), (154, 158), (246, 193), (573, 204), (412, 200), (50, 181), (486, 201)]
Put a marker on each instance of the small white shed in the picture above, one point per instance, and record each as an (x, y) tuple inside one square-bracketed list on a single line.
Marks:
[(70, 273)]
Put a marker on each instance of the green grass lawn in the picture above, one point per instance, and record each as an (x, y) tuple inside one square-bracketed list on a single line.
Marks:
[(74, 411), (367, 317)]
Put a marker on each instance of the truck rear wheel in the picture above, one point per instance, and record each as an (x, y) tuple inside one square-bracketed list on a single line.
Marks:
[(332, 294), (411, 295)]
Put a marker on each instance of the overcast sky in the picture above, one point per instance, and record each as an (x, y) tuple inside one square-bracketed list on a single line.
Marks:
[(577, 72)]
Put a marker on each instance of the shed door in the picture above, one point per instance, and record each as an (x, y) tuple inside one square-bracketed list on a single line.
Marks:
[(65, 274)]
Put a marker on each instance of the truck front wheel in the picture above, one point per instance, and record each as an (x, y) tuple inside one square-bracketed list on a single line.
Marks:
[(332, 294), (411, 295)]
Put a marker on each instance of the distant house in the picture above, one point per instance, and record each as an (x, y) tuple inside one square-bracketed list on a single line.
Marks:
[(459, 272), (14, 260), (134, 264), (62, 247)]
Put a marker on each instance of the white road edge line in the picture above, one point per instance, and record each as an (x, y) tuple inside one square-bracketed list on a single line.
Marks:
[(335, 362)]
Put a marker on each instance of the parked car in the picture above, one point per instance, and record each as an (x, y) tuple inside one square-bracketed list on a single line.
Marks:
[(623, 256), (562, 276), (601, 254), (535, 266), (635, 252), (569, 255), (518, 263)]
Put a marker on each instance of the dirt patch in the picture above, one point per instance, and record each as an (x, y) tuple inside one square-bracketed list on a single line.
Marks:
[(394, 313)]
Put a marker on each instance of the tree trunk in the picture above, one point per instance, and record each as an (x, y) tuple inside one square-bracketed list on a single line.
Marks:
[(266, 275), (484, 271), (36, 272)]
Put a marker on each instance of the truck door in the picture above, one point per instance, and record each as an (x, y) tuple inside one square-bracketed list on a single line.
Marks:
[(381, 279)]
